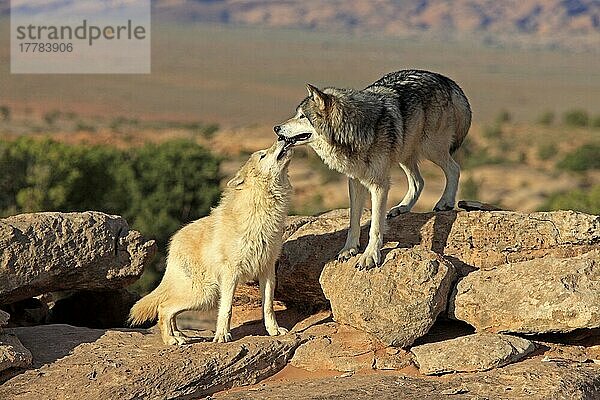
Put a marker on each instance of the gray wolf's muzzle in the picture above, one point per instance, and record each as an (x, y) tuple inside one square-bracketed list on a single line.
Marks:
[(291, 140)]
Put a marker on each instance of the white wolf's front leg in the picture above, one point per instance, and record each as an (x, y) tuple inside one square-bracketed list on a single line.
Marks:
[(267, 289), (227, 290), (358, 194), (372, 255)]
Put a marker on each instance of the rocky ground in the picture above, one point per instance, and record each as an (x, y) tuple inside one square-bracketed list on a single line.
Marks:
[(466, 305)]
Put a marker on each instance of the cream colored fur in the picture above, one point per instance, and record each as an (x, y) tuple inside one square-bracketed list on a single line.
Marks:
[(239, 241)]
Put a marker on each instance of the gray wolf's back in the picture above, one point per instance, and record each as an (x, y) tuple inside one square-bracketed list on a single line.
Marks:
[(429, 91)]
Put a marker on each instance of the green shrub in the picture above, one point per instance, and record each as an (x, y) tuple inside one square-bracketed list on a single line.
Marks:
[(596, 121), (5, 113), (51, 116), (546, 151), (492, 132), (584, 200), (157, 188), (469, 189), (471, 156), (503, 116), (547, 118), (84, 126), (576, 118), (584, 158)]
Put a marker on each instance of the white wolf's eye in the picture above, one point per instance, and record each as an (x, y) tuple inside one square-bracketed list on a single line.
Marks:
[(263, 155), (302, 116)]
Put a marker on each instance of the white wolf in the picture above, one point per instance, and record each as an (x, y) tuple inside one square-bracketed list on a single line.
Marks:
[(239, 241)]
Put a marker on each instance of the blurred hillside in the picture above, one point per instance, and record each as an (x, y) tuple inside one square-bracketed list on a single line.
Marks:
[(572, 24)]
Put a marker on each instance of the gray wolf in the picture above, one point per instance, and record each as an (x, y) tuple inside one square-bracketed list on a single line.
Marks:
[(240, 240), (402, 118)]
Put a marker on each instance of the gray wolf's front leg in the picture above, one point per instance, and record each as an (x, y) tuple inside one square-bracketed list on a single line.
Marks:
[(358, 194), (372, 255), (267, 288), (227, 289)]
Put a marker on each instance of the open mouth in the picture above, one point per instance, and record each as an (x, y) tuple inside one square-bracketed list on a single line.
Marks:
[(290, 142)]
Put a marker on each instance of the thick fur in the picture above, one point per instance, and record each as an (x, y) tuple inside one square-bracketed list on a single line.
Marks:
[(240, 240), (402, 118)]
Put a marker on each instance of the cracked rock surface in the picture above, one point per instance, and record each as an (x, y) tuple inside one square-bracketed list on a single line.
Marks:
[(53, 251), (123, 364), (472, 353), (470, 240), (538, 296), (397, 302)]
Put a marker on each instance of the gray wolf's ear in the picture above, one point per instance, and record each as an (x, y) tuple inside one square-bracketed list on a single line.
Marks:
[(321, 99), (236, 182)]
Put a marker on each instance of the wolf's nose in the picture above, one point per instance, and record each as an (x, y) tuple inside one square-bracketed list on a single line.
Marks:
[(277, 128)]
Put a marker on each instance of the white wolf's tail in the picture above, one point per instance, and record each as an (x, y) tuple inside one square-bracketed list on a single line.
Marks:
[(146, 309)]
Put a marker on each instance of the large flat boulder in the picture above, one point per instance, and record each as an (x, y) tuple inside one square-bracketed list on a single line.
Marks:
[(335, 347), (472, 353), (471, 240), (397, 302), (538, 296), (52, 251), (109, 364), (530, 379)]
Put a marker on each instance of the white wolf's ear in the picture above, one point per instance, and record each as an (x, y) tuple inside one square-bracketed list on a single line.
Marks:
[(236, 182), (321, 99)]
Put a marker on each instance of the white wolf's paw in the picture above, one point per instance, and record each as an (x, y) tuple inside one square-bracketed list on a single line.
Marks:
[(347, 253), (369, 259), (276, 331), (222, 337), (443, 206), (175, 340), (397, 210)]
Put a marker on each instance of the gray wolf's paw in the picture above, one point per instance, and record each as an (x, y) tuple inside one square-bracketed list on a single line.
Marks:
[(347, 253), (397, 210), (443, 206), (222, 337), (175, 340), (369, 259), (276, 331)]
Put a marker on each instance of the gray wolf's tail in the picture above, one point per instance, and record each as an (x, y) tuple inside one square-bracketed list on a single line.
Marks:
[(463, 111), (146, 309)]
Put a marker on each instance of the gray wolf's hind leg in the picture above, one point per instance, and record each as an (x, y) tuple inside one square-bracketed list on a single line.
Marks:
[(415, 187), (452, 172), (358, 194)]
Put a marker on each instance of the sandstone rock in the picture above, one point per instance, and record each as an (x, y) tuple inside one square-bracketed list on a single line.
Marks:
[(94, 309), (537, 296), (12, 353), (4, 317), (335, 347), (311, 320), (99, 364), (471, 240), (397, 302), (529, 379), (53, 251), (477, 352), (392, 358)]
